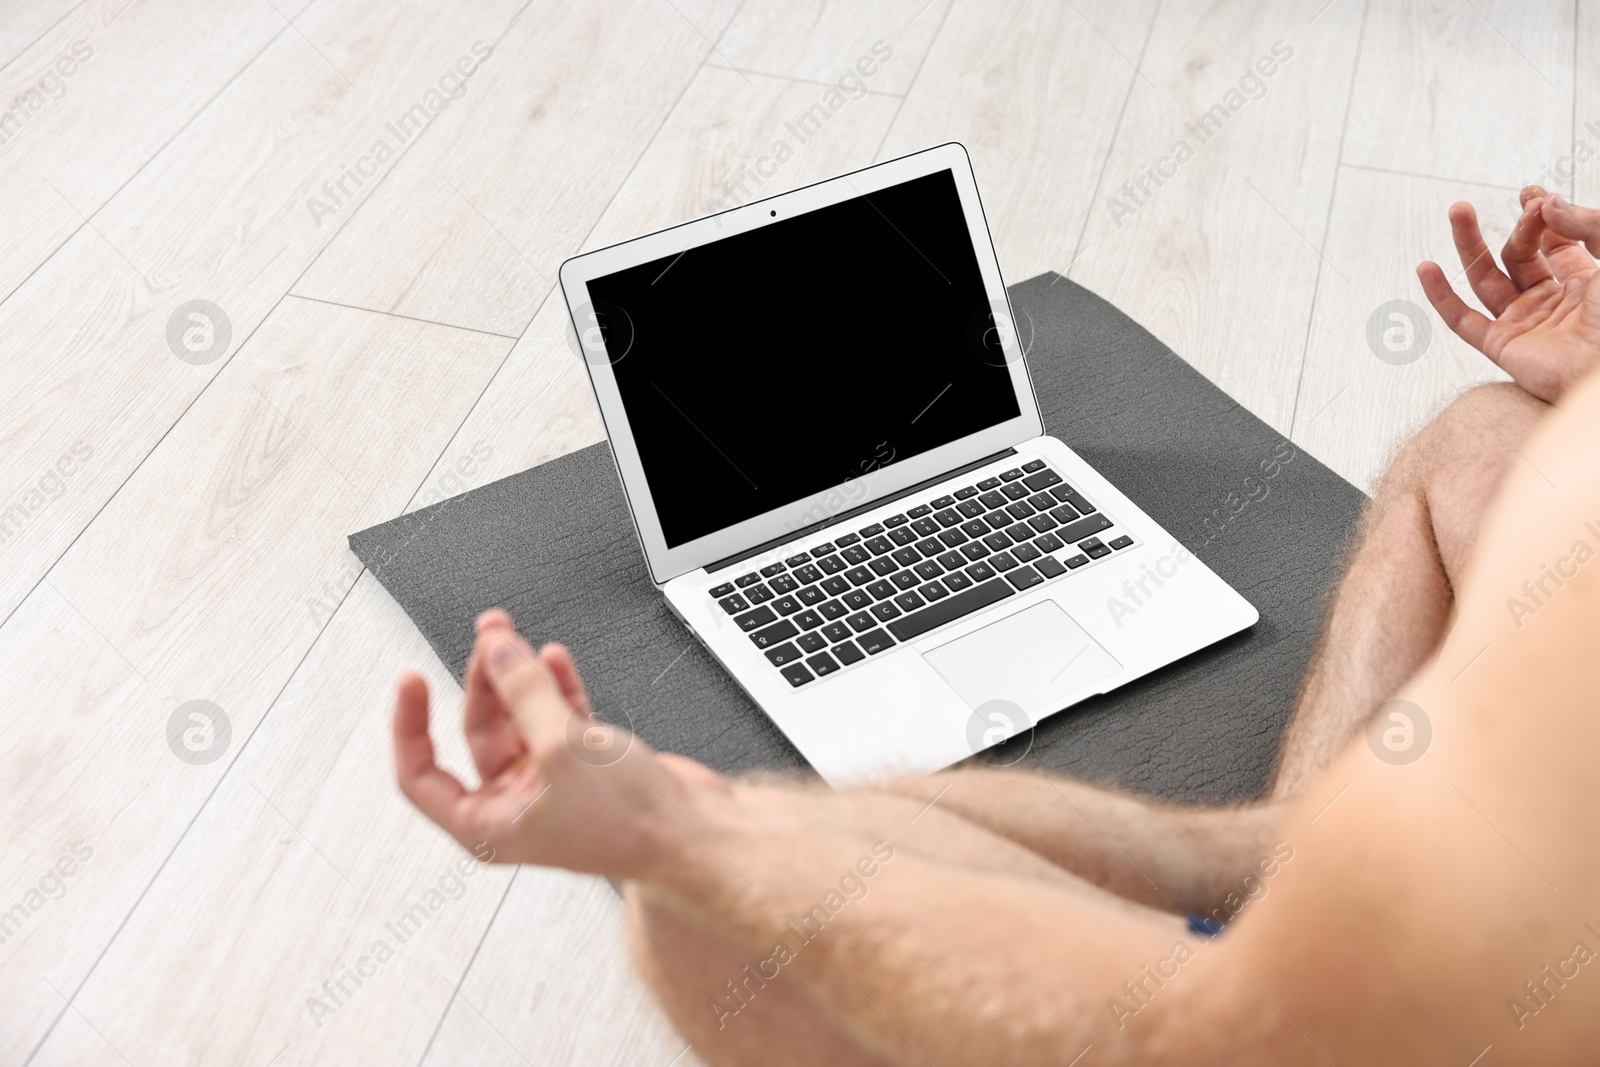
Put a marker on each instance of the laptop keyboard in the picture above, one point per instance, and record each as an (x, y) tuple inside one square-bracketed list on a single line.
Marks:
[(823, 611)]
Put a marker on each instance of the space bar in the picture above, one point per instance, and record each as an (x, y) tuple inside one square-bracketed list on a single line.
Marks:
[(979, 596)]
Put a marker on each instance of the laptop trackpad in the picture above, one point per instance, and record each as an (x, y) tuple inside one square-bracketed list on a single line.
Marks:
[(1028, 659)]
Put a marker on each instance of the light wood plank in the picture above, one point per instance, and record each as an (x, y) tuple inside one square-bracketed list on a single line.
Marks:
[(540, 405), (823, 40), (22, 22), (1355, 408), (81, 133), (1033, 89), (474, 225), (1220, 260), (220, 215), (547, 992), (1478, 92), (200, 576)]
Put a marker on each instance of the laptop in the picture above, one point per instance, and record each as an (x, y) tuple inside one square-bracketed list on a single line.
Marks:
[(821, 415)]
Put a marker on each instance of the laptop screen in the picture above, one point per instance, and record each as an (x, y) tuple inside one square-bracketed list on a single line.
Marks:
[(782, 362)]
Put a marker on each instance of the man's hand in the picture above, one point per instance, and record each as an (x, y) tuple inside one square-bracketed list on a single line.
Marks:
[(1546, 303), (559, 788)]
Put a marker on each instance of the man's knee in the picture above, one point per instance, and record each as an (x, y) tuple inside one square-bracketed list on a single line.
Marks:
[(1467, 444)]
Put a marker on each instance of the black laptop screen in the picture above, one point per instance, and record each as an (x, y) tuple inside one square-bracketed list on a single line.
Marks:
[(775, 364)]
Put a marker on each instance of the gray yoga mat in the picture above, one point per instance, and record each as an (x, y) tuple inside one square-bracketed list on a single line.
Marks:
[(554, 545)]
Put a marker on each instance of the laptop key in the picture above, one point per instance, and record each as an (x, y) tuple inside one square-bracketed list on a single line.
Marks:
[(969, 491), (885, 611), (800, 560), (909, 601), (1011, 475), (751, 620), (1020, 510), (823, 550), (831, 564), (758, 594), (928, 569), (948, 517), (902, 535), (1042, 501), (942, 502), (797, 674), (805, 574), (997, 541), (733, 604), (952, 560), (989, 483), (954, 538), (879, 545), (974, 550), (1064, 513), (907, 557), (835, 586), (1077, 531), (786, 605), (855, 554), (856, 599), (904, 579), (956, 581), (932, 591), (931, 547), (1049, 566), (822, 663), (722, 590), (1043, 480), (993, 500), (1014, 491), (975, 528), (1033, 465), (861, 621), (874, 641), (1094, 547), (808, 620), (979, 572), (919, 511), (1002, 561), (881, 590), (895, 520), (1043, 523), (811, 596), (871, 531), (858, 575), (812, 642), (1024, 578), (970, 508), (1121, 542), (1048, 543), (747, 579), (883, 566), (848, 653), (925, 527), (833, 609), (780, 631), (835, 631), (951, 608), (769, 571), (1074, 562), (1026, 553), (784, 583), (847, 540)]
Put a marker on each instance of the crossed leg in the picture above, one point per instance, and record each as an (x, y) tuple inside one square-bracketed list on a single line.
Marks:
[(1386, 619)]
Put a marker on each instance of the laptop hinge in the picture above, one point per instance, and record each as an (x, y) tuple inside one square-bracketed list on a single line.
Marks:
[(795, 535)]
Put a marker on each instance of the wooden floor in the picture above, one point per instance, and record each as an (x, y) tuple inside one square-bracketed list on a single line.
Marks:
[(385, 333)]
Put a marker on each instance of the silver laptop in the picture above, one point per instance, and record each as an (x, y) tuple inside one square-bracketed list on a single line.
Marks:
[(823, 422)]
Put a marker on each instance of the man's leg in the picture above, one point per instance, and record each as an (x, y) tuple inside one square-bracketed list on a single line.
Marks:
[(1387, 617)]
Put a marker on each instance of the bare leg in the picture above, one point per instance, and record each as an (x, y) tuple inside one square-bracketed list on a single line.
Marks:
[(1396, 599), (1388, 616)]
